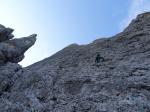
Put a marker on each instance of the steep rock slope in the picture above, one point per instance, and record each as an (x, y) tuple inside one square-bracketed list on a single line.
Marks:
[(71, 80)]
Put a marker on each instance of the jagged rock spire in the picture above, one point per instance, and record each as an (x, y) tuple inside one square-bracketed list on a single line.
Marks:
[(13, 50)]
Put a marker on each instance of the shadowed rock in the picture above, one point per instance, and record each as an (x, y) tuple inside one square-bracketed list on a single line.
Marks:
[(5, 33), (13, 50)]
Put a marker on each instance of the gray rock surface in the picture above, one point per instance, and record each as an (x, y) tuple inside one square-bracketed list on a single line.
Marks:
[(13, 50), (71, 80), (5, 33)]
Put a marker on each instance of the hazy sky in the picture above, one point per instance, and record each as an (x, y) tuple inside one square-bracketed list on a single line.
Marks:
[(59, 23)]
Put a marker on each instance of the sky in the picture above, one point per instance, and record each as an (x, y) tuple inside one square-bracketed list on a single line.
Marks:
[(59, 23)]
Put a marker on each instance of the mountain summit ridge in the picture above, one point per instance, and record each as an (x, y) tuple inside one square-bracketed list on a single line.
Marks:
[(107, 75)]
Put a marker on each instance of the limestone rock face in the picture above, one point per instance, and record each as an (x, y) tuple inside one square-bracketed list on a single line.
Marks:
[(72, 81)]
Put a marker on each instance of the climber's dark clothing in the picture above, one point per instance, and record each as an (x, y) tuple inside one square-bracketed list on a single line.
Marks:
[(99, 59)]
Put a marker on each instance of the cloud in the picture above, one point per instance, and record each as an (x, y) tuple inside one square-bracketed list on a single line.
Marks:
[(136, 7)]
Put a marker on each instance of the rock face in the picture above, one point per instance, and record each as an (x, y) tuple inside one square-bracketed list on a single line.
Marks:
[(72, 80)]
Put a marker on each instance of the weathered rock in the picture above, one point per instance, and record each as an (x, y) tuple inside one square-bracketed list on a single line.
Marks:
[(7, 76), (5, 33), (71, 81), (13, 50)]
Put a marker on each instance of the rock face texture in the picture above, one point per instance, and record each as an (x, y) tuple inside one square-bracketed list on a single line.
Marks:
[(75, 79)]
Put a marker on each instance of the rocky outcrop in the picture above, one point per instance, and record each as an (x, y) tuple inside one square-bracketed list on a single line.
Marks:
[(13, 50), (72, 81)]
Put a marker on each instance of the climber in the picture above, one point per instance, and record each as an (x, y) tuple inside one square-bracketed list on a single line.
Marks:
[(99, 59)]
